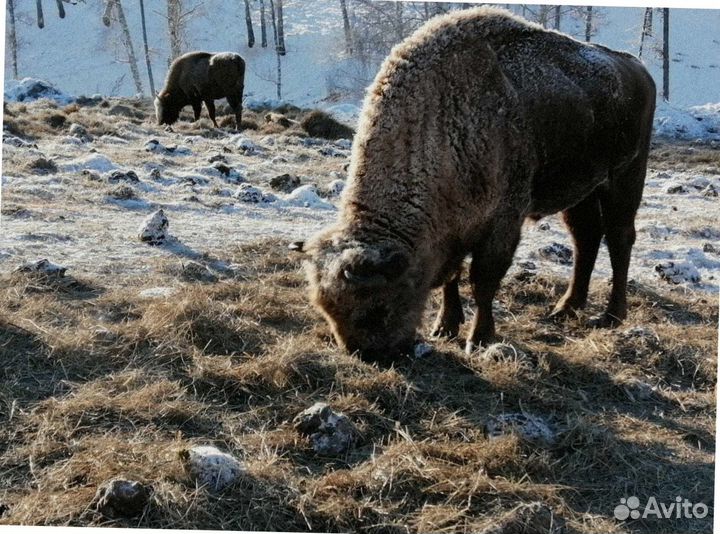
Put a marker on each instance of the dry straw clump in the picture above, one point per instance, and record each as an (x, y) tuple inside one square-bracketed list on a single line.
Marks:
[(99, 383)]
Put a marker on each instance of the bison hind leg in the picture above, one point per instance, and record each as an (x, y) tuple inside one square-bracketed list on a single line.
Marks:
[(450, 316), (210, 105), (236, 105), (584, 221), (197, 108)]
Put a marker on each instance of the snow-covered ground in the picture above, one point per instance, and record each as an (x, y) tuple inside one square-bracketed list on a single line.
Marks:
[(84, 213)]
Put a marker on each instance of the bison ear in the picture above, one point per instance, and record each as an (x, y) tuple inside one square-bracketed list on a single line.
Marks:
[(376, 269)]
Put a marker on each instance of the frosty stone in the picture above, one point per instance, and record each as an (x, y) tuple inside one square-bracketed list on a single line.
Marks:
[(249, 193), (123, 176), (677, 273), (330, 432), (503, 352), (422, 349), (345, 144), (528, 427), (121, 498), (335, 188), (556, 252), (42, 267), (285, 183), (246, 146), (710, 191), (676, 189), (154, 229), (212, 468), (194, 271)]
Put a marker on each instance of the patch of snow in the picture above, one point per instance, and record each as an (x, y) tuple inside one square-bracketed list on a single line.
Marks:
[(697, 122), (306, 196), (93, 162), (157, 292), (29, 89)]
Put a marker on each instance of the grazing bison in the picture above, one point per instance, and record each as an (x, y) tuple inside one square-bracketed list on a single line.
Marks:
[(474, 123), (198, 77)]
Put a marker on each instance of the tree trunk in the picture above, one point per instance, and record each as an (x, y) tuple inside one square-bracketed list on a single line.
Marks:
[(174, 13), (278, 79), (557, 17), (588, 23), (107, 13), (132, 58), (647, 28), (666, 54), (280, 28), (263, 25), (147, 50), (248, 23), (346, 26), (40, 17), (13, 37)]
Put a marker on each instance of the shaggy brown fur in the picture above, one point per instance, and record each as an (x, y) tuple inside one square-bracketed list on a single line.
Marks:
[(477, 121), (199, 77)]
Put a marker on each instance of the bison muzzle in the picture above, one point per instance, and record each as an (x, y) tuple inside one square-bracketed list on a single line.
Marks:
[(474, 123)]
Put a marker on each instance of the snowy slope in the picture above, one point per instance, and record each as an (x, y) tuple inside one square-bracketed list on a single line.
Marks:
[(80, 56)]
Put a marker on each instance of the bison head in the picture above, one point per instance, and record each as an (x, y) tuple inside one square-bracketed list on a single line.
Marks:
[(367, 293), (165, 111)]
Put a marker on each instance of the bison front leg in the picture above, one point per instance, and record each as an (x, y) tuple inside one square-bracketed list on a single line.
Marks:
[(491, 260), (450, 316), (210, 105), (584, 222)]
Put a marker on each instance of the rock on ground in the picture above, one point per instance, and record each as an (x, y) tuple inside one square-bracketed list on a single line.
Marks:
[(212, 468), (557, 252), (677, 273), (530, 428), (42, 267), (329, 431), (122, 498), (154, 229)]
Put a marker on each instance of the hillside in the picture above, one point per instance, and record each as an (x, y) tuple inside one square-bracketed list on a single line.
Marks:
[(95, 63)]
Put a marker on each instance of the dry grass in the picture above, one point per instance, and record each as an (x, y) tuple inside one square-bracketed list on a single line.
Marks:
[(97, 384)]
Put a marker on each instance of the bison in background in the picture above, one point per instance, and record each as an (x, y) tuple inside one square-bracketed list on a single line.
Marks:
[(198, 77), (477, 121)]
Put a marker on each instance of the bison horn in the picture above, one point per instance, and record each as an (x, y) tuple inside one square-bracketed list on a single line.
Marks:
[(364, 279)]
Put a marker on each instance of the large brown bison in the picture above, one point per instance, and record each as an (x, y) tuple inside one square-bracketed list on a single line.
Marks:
[(475, 122), (198, 77)]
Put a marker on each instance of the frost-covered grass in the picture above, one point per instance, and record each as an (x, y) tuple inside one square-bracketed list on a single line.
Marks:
[(142, 352)]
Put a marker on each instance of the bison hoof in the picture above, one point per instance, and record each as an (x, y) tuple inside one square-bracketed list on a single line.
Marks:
[(560, 314), (445, 331), (472, 347), (606, 320)]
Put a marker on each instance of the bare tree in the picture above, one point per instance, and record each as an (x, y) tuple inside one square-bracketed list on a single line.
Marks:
[(40, 17), (346, 26), (278, 55), (646, 29), (558, 14), (263, 25), (666, 54), (127, 39), (588, 23), (145, 45), (12, 35), (248, 23), (280, 28), (174, 19)]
